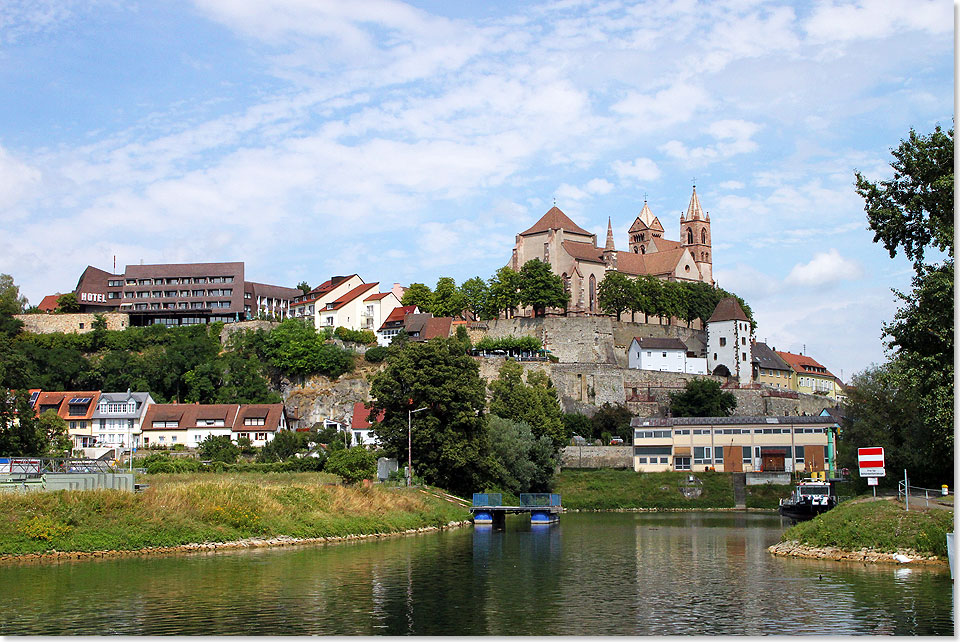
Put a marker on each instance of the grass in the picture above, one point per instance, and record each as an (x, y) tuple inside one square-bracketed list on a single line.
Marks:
[(879, 525), (189, 508), (610, 489)]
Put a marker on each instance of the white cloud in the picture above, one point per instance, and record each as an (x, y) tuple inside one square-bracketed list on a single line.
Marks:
[(17, 181), (599, 186), (731, 185), (832, 22), (733, 137), (824, 269), (640, 169), (675, 104)]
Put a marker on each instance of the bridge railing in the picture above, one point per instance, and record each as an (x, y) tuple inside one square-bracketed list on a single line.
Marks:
[(539, 499), (488, 499)]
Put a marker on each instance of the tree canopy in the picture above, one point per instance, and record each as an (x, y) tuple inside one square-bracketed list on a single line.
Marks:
[(702, 398), (534, 403), (540, 288)]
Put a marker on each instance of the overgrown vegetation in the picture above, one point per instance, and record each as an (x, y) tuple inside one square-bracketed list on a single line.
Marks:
[(182, 509), (702, 398), (879, 525)]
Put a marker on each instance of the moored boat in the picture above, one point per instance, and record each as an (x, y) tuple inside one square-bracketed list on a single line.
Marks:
[(810, 498)]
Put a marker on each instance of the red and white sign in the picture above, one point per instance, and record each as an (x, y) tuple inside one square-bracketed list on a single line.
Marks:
[(871, 462)]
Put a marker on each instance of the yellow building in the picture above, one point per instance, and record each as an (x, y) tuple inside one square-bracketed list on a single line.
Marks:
[(811, 377), (769, 369), (734, 444)]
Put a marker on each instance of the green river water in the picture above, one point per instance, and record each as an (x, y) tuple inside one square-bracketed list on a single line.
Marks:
[(589, 574)]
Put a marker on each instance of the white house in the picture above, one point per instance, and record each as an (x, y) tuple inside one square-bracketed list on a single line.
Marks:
[(362, 308), (167, 425), (360, 426), (117, 419), (315, 301), (729, 349), (664, 355)]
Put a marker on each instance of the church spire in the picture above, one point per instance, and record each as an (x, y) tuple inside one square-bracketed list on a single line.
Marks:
[(609, 247), (694, 211)]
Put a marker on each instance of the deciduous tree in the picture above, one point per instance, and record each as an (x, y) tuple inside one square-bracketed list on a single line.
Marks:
[(616, 294), (540, 288), (702, 398)]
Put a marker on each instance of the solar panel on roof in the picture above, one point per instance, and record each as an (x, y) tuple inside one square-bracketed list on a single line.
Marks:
[(80, 400), (33, 396)]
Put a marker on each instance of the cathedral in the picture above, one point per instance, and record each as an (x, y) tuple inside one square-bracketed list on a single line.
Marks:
[(574, 255)]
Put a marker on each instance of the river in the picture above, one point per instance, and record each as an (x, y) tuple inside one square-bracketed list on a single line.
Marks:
[(590, 574)]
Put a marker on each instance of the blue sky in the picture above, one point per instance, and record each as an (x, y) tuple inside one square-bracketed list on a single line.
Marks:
[(409, 141)]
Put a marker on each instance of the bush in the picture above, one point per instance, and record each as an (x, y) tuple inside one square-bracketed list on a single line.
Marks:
[(364, 337), (219, 448), (352, 465), (376, 355)]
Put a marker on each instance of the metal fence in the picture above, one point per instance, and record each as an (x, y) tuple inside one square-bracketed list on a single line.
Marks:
[(488, 499), (922, 497), (539, 499), (34, 467)]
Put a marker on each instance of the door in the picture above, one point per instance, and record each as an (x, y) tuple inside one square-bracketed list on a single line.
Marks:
[(733, 459), (813, 458)]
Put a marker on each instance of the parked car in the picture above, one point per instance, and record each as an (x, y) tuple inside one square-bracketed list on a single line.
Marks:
[(616, 441)]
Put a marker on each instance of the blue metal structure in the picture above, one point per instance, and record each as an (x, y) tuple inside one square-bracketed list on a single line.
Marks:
[(543, 508)]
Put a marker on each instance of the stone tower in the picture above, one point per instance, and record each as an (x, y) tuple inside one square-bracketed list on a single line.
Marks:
[(646, 228), (609, 251), (695, 236)]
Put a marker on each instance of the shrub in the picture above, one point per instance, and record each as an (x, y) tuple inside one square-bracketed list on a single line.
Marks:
[(352, 465), (365, 337), (219, 448), (44, 527), (376, 355)]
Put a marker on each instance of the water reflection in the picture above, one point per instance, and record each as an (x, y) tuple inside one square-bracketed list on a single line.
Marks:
[(619, 573)]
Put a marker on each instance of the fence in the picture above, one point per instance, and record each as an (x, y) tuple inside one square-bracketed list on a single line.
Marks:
[(488, 499), (921, 496), (539, 499), (35, 467)]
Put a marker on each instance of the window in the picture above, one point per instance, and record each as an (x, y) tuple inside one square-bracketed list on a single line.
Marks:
[(723, 341), (746, 453), (81, 326), (664, 460), (681, 463), (701, 455), (641, 460), (743, 341), (714, 356), (718, 454), (744, 356), (652, 450), (173, 439), (253, 421), (162, 439), (261, 436), (114, 283), (701, 431), (113, 295), (243, 435), (799, 453), (681, 432), (652, 434)]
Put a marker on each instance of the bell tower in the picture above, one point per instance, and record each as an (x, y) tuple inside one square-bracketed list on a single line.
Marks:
[(646, 228), (695, 236)]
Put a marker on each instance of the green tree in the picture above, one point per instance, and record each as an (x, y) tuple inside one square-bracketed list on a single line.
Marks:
[(419, 295), (520, 461), (503, 295), (284, 445), (447, 437), (534, 402), (616, 294), (352, 465), (914, 210), (11, 303), (702, 398), (612, 419), (647, 293), (54, 427), (304, 287), (448, 300), (21, 434), (575, 423), (540, 288), (68, 303), (475, 293), (219, 448)]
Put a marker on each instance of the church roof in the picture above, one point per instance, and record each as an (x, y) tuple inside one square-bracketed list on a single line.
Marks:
[(655, 263), (664, 245), (609, 245), (694, 211), (646, 220), (555, 220), (584, 251), (728, 310)]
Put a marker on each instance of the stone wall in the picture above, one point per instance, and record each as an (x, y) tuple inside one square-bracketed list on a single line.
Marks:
[(77, 323), (596, 457), (255, 324), (320, 398), (625, 331)]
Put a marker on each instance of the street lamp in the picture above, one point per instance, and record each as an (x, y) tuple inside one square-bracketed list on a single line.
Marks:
[(410, 444)]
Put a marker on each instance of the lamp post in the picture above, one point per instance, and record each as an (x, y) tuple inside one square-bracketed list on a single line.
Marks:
[(410, 444)]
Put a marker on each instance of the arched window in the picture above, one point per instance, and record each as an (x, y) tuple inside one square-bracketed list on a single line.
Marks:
[(703, 236), (636, 250), (641, 237), (593, 293), (566, 282), (689, 236), (643, 250)]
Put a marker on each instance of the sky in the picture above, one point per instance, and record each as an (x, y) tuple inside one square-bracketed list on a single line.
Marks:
[(409, 141)]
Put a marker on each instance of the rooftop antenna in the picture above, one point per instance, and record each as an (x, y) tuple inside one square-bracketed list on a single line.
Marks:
[(554, 201)]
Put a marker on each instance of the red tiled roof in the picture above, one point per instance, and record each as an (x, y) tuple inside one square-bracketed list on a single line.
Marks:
[(361, 416), (554, 219), (378, 296), (233, 416), (803, 364), (728, 310), (656, 263), (583, 251), (49, 303), (62, 402), (397, 314), (437, 327), (351, 295)]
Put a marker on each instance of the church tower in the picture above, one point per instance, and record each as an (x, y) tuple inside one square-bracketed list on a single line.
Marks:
[(646, 228), (609, 251), (695, 236)]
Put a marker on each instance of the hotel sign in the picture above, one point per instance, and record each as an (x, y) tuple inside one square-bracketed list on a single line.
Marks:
[(92, 297)]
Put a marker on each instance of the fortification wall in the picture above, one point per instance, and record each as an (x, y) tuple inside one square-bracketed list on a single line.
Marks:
[(230, 328), (74, 323), (596, 457)]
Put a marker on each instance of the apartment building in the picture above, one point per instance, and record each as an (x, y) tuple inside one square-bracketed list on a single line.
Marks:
[(182, 294), (189, 424)]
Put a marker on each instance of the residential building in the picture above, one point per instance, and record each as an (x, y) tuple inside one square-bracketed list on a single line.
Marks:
[(729, 346), (769, 369), (74, 407), (425, 326), (573, 253), (181, 294), (310, 304), (190, 424), (360, 426), (394, 323), (49, 303), (118, 417), (664, 355), (811, 377), (362, 308), (735, 444)]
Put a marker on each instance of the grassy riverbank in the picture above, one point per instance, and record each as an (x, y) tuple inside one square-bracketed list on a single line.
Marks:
[(609, 489), (882, 526), (183, 509)]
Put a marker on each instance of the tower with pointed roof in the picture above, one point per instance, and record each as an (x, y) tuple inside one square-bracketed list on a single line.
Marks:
[(609, 251), (644, 230), (729, 342), (695, 236)]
